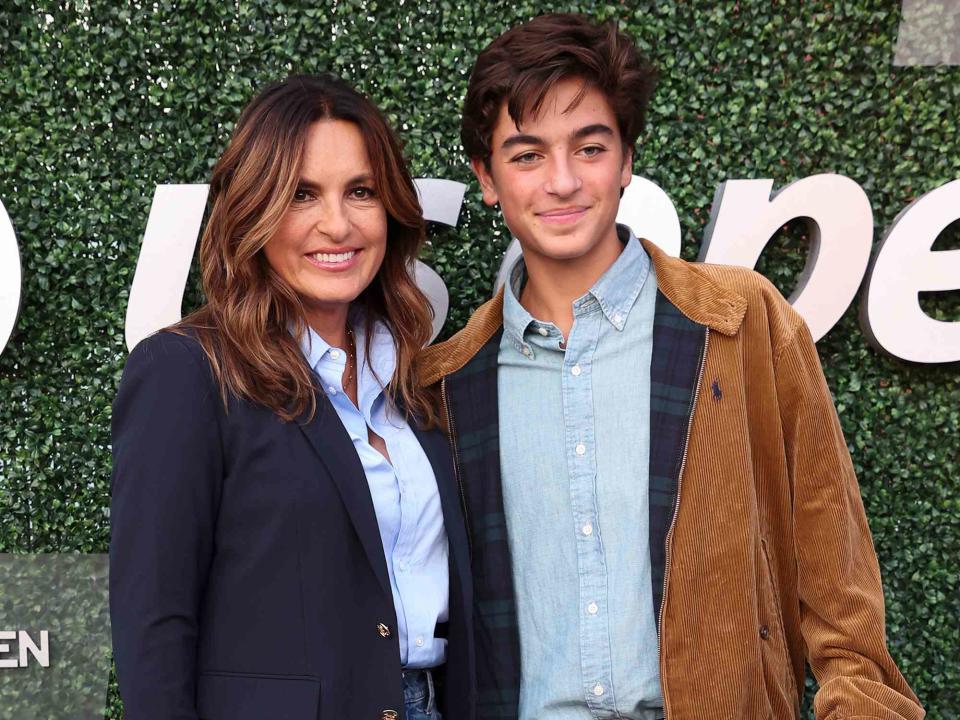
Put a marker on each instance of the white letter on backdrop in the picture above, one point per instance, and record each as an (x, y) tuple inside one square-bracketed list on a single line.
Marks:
[(745, 215), (645, 208), (904, 266), (41, 653), (441, 201), (156, 295), (10, 278)]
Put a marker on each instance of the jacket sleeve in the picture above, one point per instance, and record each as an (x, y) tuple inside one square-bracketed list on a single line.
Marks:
[(841, 598), (167, 471)]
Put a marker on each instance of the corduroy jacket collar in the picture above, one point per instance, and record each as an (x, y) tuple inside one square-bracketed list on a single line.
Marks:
[(697, 296)]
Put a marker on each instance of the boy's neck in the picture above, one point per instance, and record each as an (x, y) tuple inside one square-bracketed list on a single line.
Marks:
[(554, 285)]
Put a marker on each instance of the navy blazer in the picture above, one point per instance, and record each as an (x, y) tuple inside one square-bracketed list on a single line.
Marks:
[(247, 575)]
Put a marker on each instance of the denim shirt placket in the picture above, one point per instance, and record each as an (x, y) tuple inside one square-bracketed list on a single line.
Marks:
[(577, 393)]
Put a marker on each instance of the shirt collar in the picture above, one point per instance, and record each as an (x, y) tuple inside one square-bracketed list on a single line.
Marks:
[(313, 347), (376, 371), (516, 319), (618, 288), (616, 291)]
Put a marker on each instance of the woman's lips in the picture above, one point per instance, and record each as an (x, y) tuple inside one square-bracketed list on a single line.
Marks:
[(564, 216), (338, 261)]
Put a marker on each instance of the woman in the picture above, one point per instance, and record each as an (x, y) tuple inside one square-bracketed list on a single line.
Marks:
[(286, 538)]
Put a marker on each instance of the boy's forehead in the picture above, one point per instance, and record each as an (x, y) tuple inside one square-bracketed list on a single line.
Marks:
[(567, 107)]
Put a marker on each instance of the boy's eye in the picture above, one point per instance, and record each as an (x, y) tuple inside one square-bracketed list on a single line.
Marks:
[(592, 150), (525, 158)]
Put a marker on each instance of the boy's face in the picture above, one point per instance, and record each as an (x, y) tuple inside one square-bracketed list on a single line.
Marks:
[(558, 179)]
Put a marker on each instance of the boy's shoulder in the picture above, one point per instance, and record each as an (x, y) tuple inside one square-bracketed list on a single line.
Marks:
[(448, 356)]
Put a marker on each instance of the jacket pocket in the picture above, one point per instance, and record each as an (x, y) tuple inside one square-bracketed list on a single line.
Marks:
[(778, 668), (237, 696)]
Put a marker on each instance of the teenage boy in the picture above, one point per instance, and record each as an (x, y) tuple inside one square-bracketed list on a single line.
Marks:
[(663, 513)]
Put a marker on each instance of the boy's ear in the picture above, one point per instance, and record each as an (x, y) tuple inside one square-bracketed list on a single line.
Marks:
[(482, 171), (626, 170)]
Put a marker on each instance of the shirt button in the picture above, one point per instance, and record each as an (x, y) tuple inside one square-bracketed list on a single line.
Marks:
[(593, 608), (587, 529), (335, 354), (617, 319), (332, 390), (543, 331), (419, 640), (581, 449), (526, 351), (575, 371), (598, 689)]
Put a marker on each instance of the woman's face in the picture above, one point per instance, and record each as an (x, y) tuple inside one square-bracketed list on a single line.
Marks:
[(333, 237)]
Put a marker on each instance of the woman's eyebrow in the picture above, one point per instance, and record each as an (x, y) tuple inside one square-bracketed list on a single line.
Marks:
[(362, 178)]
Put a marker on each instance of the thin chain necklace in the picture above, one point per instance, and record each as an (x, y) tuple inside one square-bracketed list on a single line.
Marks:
[(351, 357)]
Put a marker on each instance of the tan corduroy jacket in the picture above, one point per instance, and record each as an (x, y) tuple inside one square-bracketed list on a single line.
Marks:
[(770, 562)]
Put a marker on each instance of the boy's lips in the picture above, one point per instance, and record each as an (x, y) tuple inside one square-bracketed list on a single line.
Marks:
[(563, 216)]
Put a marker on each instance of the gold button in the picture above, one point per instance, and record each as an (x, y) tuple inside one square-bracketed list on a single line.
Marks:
[(384, 633), (389, 715)]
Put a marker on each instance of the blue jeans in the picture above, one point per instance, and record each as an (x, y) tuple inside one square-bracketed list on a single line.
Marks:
[(419, 696)]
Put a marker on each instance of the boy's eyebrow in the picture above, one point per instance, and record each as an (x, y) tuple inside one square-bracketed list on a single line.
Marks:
[(520, 139), (579, 134), (595, 129)]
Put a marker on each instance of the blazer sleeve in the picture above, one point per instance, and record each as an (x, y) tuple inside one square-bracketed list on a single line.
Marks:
[(841, 597), (167, 474)]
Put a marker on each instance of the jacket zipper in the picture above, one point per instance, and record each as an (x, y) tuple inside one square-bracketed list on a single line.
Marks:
[(451, 437), (676, 503)]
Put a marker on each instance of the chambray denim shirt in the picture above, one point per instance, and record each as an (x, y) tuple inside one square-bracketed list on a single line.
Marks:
[(574, 457), (405, 495)]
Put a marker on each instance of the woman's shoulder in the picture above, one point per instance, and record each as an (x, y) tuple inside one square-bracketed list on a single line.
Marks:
[(172, 352)]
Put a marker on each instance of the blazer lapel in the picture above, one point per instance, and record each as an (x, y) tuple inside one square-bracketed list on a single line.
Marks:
[(335, 448), (437, 449)]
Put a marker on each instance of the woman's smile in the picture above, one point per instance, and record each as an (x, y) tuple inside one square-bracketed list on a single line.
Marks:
[(336, 261)]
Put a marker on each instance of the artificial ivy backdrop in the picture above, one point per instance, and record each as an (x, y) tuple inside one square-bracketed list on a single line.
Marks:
[(101, 101)]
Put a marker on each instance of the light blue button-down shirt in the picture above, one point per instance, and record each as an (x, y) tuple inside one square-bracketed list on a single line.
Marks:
[(574, 456), (405, 495)]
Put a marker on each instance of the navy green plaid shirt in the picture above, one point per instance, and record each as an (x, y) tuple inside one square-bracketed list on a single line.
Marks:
[(472, 403)]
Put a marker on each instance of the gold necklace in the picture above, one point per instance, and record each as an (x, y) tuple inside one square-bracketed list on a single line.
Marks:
[(351, 357)]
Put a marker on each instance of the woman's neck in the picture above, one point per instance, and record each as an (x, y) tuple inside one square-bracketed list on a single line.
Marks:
[(330, 323)]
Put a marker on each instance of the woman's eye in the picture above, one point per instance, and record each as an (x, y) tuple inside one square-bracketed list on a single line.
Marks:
[(300, 195), (362, 193)]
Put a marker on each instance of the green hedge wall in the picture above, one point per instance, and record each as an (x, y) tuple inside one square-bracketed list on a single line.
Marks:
[(101, 101)]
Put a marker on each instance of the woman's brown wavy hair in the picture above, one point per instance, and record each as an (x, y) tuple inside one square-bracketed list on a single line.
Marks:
[(252, 319)]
